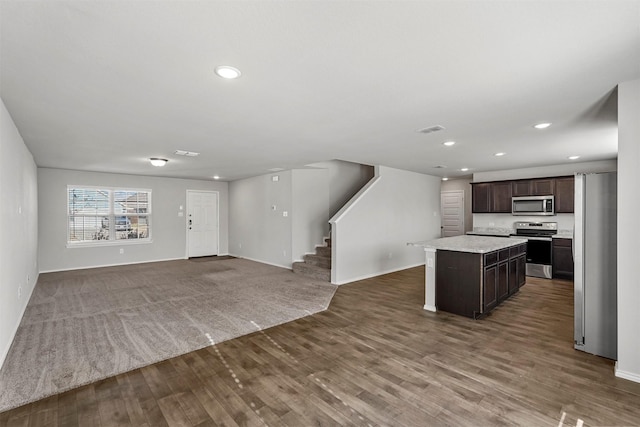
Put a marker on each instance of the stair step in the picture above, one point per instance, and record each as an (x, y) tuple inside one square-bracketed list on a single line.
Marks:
[(312, 271), (319, 260), (323, 251), (328, 241)]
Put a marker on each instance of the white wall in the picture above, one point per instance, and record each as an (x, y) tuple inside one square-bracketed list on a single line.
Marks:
[(465, 186), (565, 169), (345, 180), (628, 365), (18, 229), (370, 234), (257, 231), (310, 213), (168, 229)]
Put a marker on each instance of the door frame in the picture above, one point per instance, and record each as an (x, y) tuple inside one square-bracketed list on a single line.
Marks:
[(186, 219)]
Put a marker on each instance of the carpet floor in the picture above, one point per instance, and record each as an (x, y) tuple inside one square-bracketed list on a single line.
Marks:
[(85, 325)]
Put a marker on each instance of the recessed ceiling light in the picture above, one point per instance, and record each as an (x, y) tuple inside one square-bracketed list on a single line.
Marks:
[(542, 125), (573, 157), (464, 169), (227, 72), (449, 143), (216, 177), (155, 161), (445, 179), (499, 154)]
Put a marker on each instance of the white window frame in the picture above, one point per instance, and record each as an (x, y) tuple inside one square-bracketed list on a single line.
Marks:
[(112, 241)]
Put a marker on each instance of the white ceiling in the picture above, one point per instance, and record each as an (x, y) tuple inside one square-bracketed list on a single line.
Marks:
[(102, 86)]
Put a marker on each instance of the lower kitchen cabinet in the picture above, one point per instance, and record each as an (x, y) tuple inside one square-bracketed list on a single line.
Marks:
[(461, 290), (562, 259)]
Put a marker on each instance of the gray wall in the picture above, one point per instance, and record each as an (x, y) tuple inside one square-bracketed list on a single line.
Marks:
[(259, 231), (628, 365), (257, 228), (345, 180), (18, 229), (370, 233), (168, 229)]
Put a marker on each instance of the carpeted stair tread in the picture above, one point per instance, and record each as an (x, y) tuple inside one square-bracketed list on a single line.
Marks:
[(312, 271), (319, 260)]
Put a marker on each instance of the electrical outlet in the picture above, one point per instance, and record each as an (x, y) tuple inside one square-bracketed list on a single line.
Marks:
[(285, 213), (239, 245), (19, 291), (121, 251), (390, 255), (284, 253)]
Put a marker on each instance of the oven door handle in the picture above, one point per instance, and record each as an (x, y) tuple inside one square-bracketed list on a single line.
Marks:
[(544, 239)]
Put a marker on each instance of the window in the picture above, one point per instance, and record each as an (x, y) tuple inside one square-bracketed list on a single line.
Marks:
[(101, 215)]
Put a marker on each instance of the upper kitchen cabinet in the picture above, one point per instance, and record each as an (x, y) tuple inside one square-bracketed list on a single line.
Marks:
[(564, 194), (532, 187), (495, 197), (501, 197), (481, 197)]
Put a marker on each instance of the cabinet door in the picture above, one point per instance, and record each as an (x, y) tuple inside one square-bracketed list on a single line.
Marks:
[(564, 194), (522, 270), (542, 187), (490, 289), (503, 280), (513, 276), (501, 195), (521, 188), (481, 197), (562, 263)]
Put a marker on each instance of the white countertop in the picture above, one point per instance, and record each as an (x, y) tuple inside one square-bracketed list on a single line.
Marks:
[(473, 244)]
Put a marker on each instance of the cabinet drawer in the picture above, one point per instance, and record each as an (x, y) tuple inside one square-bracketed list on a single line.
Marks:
[(562, 242), (490, 258), (503, 254)]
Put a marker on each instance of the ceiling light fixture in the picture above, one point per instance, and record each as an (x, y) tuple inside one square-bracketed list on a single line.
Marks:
[(574, 157), (449, 143), (186, 153), (499, 154), (464, 169), (216, 177), (542, 125), (227, 72), (445, 179), (155, 161)]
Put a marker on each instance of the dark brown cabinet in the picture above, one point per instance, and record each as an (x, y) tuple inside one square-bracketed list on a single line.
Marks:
[(481, 197), (542, 187), (495, 197), (461, 290), (562, 259), (501, 197), (564, 194)]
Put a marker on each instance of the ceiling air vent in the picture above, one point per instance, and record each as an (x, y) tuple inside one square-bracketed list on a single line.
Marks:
[(439, 167), (431, 129)]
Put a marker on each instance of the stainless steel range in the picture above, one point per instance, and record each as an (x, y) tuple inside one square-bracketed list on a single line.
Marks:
[(539, 241)]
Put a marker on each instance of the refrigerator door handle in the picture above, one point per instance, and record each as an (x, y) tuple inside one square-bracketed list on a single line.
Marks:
[(578, 255)]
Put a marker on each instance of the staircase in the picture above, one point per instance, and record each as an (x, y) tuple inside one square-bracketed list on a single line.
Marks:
[(318, 265)]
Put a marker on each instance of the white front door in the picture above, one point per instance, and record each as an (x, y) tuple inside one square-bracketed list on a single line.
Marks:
[(202, 223), (452, 213)]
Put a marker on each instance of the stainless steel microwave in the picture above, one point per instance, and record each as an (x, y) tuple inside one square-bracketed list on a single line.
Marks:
[(533, 205)]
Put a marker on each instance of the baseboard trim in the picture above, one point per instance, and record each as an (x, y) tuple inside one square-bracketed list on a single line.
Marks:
[(5, 353), (262, 262), (111, 265), (381, 273), (631, 376)]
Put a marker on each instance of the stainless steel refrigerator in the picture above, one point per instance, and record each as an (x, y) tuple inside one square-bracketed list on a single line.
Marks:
[(595, 259)]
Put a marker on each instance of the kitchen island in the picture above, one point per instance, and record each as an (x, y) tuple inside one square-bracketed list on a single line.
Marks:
[(471, 275)]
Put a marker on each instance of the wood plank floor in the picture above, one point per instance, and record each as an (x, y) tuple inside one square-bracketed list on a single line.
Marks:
[(375, 357)]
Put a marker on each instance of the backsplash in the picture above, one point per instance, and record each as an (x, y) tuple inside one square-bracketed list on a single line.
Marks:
[(505, 221)]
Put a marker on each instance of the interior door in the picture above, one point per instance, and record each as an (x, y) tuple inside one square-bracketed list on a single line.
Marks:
[(202, 223), (452, 213)]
